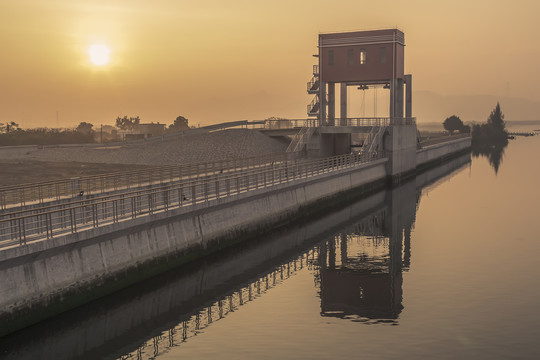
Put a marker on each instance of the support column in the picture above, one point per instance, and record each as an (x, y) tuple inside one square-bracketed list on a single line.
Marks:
[(408, 96), (392, 97), (343, 107), (331, 104), (396, 98), (399, 98), (322, 104)]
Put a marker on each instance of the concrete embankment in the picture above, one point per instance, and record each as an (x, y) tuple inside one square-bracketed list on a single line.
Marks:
[(48, 277), (66, 271), (436, 153)]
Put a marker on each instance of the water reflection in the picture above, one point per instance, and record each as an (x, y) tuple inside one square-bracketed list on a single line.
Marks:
[(493, 152), (356, 253), (364, 283)]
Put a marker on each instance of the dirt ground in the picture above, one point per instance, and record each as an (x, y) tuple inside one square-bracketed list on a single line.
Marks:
[(13, 172)]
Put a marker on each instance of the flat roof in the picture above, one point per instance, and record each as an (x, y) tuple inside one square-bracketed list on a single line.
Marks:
[(384, 36)]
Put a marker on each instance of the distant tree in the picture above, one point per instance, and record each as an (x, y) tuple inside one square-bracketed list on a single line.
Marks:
[(453, 123), (10, 126), (496, 119), (125, 123), (44, 136), (275, 122), (84, 127), (179, 124), (491, 138)]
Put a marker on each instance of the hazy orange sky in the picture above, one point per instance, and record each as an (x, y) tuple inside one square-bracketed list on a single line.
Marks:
[(215, 60)]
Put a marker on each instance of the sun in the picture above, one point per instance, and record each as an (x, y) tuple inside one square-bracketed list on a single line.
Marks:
[(99, 54)]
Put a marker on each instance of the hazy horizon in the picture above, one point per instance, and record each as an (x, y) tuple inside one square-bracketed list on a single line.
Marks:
[(214, 61)]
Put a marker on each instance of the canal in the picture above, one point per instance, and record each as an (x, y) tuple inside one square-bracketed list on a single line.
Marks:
[(444, 266)]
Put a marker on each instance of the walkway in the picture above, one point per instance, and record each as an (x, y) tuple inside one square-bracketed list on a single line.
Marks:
[(31, 224)]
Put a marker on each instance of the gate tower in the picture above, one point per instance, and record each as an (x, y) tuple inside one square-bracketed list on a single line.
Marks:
[(362, 59)]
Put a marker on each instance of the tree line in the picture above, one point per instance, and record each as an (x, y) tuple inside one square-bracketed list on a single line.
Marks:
[(488, 139), (11, 134), (491, 131)]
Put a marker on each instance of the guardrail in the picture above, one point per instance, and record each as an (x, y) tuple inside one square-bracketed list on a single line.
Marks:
[(86, 201), (363, 121), (40, 224), (21, 195)]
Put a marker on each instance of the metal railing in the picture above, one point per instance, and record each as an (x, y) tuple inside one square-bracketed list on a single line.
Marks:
[(86, 201), (363, 121), (290, 123), (20, 228), (55, 190)]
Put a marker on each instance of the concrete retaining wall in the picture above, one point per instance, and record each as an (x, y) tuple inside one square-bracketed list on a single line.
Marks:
[(42, 275), (441, 151)]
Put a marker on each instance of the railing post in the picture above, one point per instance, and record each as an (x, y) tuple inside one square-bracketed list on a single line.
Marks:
[(115, 211), (94, 215), (166, 199), (22, 233), (48, 222), (133, 207), (180, 196), (72, 220)]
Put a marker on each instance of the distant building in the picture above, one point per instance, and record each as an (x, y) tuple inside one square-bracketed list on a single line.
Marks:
[(144, 131), (109, 129)]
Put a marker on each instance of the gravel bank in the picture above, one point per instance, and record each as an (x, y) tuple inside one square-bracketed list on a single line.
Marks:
[(193, 148)]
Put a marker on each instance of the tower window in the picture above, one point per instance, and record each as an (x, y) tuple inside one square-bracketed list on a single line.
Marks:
[(331, 57), (350, 56), (383, 55), (363, 56)]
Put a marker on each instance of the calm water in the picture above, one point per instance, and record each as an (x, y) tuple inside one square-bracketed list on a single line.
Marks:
[(445, 266)]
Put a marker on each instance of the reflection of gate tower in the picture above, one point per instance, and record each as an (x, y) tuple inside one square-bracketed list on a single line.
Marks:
[(362, 59), (361, 271)]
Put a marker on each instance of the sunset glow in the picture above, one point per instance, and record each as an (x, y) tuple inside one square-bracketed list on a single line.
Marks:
[(99, 54)]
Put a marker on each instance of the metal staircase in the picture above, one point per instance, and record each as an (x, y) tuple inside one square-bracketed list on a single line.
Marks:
[(313, 88), (373, 143), (313, 107), (313, 85), (300, 139)]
